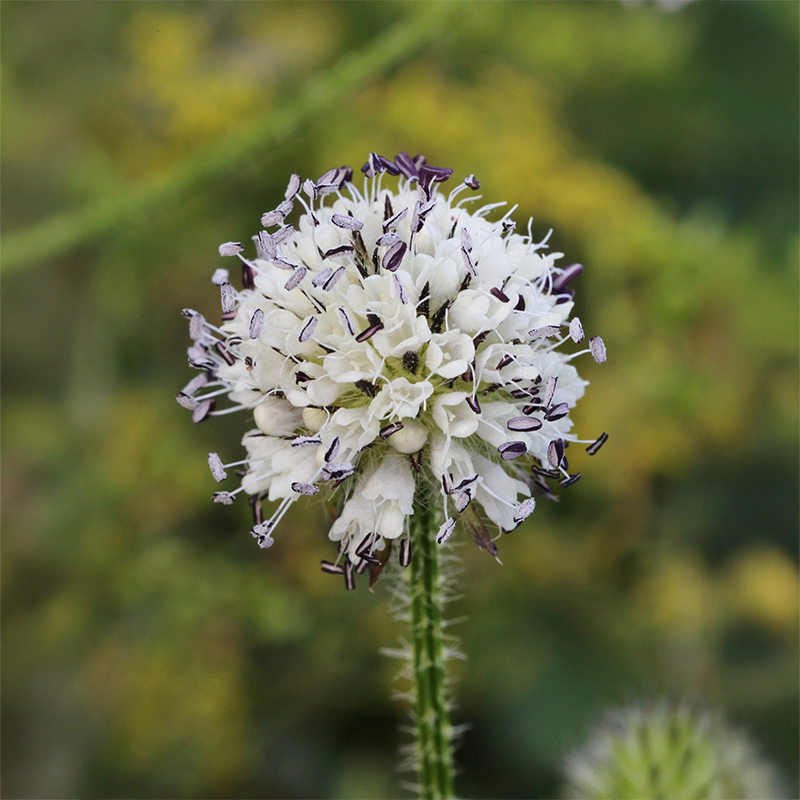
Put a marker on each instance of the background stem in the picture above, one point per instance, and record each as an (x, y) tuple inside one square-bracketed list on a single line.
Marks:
[(264, 135), (434, 750)]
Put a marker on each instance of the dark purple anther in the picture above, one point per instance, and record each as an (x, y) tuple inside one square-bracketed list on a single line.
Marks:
[(511, 450), (406, 165), (271, 218), (556, 412), (388, 166), (321, 276), (473, 403), (367, 169), (230, 248), (226, 356), (421, 210), (282, 234), (203, 410), (555, 452), (304, 488), (306, 441), (598, 349), (333, 450), (346, 321), (195, 383), (597, 444), (437, 174), (405, 552), (472, 182), (550, 390), (524, 424), (308, 329), (296, 279), (283, 263), (394, 256), (445, 530), (369, 332), (338, 251), (388, 240), (366, 544), (337, 471), (333, 279), (197, 326), (256, 323), (401, 290), (576, 330), (504, 362), (329, 177), (524, 509), (544, 332), (228, 297), (347, 222), (217, 468), (388, 430), (500, 295), (265, 246), (391, 223), (293, 188), (470, 264), (461, 499), (566, 275)]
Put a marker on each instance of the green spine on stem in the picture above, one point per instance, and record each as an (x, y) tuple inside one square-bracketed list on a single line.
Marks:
[(433, 730)]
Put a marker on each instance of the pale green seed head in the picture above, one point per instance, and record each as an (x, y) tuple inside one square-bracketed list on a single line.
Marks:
[(669, 752)]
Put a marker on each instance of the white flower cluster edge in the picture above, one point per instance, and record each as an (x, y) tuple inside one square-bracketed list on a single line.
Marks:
[(388, 338)]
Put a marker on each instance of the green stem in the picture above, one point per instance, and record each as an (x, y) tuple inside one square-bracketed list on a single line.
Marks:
[(321, 95), (434, 750)]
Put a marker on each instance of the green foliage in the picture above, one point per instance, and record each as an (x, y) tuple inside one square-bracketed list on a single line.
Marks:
[(149, 649)]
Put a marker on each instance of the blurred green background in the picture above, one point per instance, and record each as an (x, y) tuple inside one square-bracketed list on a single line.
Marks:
[(149, 648)]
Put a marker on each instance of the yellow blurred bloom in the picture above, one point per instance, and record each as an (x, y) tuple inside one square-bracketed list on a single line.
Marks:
[(188, 87), (677, 596), (763, 586)]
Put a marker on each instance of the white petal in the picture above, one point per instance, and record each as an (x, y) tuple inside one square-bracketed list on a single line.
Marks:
[(453, 416)]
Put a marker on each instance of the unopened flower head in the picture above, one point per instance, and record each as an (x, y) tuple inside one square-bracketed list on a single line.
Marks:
[(388, 336), (669, 750)]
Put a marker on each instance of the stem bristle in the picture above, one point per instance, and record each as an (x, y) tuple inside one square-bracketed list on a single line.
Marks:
[(419, 595)]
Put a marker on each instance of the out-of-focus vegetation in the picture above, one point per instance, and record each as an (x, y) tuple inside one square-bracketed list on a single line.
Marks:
[(149, 648)]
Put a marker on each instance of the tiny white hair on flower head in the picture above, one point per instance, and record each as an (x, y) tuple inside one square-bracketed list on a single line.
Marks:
[(411, 342)]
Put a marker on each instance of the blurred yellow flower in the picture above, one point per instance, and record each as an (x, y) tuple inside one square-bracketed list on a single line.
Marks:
[(763, 586), (678, 595)]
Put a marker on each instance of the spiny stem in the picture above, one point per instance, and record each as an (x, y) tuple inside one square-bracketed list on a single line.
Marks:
[(434, 733)]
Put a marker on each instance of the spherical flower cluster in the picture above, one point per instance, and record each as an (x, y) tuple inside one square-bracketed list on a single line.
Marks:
[(389, 338)]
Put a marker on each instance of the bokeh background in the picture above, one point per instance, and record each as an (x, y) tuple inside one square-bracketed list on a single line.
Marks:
[(149, 648)]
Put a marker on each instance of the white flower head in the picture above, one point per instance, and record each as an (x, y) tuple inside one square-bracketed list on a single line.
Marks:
[(387, 337)]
